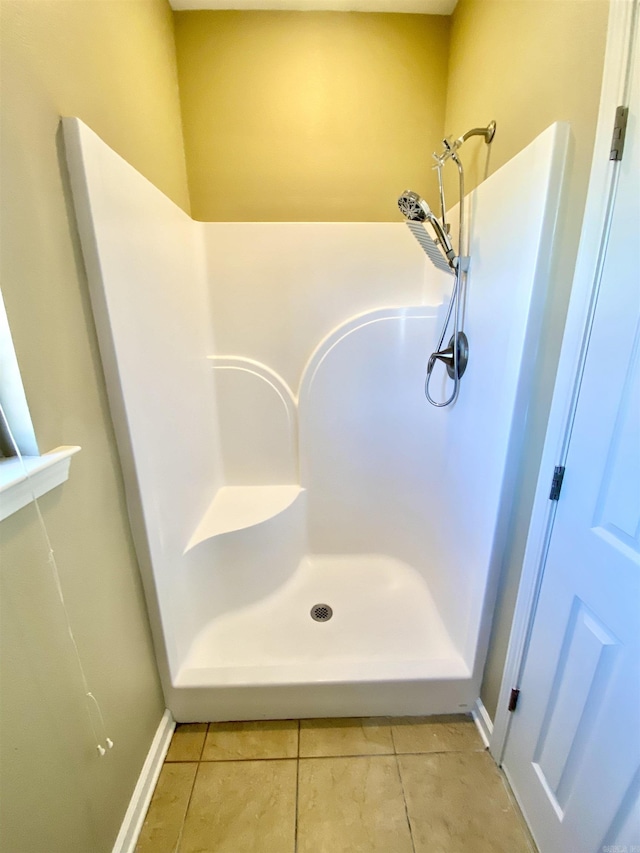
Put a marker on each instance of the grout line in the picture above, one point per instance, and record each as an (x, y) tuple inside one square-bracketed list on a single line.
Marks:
[(393, 740), (447, 752), (245, 760), (351, 755), (326, 757), (295, 836), (204, 742), (384, 755), (404, 796), (178, 844), (406, 807)]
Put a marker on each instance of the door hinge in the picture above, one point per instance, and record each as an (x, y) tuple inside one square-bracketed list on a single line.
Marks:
[(556, 483), (513, 699), (619, 133)]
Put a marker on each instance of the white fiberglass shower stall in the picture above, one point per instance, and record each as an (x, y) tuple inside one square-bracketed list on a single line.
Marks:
[(266, 382)]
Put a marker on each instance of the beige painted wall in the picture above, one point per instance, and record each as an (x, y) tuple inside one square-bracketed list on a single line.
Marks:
[(310, 116), (112, 63), (528, 63)]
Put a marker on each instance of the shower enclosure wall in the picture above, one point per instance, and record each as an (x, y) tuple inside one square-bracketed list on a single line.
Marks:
[(266, 385)]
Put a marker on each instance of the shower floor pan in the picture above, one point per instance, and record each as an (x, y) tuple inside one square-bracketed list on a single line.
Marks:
[(384, 650)]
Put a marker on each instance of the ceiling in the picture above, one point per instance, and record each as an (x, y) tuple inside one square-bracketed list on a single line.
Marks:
[(424, 7)]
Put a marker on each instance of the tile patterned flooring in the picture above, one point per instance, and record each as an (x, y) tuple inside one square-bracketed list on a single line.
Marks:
[(375, 785)]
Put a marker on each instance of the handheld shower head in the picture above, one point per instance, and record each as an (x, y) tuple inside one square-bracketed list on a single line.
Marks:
[(412, 207), (417, 212)]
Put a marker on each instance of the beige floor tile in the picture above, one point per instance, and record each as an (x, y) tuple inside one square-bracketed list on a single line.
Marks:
[(162, 825), (451, 733), (353, 736), (187, 742), (242, 807), (263, 739), (458, 803), (351, 805)]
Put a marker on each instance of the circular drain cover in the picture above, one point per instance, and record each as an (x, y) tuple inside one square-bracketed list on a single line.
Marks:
[(321, 612)]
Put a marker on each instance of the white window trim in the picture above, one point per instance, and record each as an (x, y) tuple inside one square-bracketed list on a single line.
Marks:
[(29, 475), (22, 480)]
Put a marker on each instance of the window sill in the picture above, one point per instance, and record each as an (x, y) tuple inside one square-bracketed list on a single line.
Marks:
[(44, 473)]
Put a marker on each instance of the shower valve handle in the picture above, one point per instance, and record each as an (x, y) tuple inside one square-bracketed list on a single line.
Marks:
[(445, 356)]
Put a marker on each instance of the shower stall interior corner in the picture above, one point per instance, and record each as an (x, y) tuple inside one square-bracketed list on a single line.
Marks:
[(315, 539)]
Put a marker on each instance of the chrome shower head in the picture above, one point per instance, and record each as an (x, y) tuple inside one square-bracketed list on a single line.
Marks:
[(412, 207), (417, 212)]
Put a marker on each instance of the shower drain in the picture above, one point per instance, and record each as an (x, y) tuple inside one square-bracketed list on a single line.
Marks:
[(321, 612)]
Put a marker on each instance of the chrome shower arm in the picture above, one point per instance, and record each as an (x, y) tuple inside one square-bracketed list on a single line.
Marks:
[(488, 132), (452, 145)]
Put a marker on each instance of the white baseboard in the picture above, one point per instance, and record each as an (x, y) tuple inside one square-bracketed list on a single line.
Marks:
[(483, 722), (142, 793)]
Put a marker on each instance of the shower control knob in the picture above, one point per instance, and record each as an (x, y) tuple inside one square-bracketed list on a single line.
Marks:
[(446, 356)]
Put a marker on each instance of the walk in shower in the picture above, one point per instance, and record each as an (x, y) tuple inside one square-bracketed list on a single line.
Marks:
[(315, 539)]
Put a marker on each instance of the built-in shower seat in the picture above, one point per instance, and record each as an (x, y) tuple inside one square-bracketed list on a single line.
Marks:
[(238, 507)]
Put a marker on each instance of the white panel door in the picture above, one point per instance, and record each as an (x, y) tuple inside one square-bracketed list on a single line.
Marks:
[(573, 751)]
